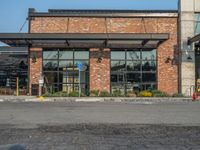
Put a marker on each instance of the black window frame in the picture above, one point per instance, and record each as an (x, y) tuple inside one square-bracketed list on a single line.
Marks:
[(74, 69), (140, 71)]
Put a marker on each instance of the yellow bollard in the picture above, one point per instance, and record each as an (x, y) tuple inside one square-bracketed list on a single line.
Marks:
[(41, 98), (17, 86)]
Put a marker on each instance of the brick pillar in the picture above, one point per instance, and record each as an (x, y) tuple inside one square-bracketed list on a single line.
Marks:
[(167, 71), (100, 69), (35, 67)]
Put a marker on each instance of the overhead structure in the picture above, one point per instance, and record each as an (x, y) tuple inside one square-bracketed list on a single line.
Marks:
[(111, 40)]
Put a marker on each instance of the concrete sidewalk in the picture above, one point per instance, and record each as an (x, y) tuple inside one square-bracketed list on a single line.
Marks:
[(94, 99)]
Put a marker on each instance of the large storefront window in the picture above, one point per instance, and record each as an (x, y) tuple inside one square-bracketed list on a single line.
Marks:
[(197, 24), (13, 66), (133, 69), (61, 72)]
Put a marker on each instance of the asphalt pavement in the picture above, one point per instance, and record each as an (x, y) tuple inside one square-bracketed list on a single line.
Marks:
[(99, 125)]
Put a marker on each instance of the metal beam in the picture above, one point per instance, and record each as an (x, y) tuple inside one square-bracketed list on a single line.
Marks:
[(83, 36), (194, 39), (144, 42)]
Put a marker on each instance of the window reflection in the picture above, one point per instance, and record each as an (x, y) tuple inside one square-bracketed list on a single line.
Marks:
[(149, 54), (66, 54), (118, 55), (197, 24), (61, 73), (149, 65), (133, 66), (118, 66), (81, 54), (65, 64), (50, 54), (12, 66), (50, 65), (133, 55), (135, 69)]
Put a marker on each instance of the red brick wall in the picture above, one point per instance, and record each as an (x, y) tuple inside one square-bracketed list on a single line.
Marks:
[(100, 69), (35, 69), (167, 72)]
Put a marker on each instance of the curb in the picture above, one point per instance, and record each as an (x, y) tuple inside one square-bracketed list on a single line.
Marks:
[(136, 100)]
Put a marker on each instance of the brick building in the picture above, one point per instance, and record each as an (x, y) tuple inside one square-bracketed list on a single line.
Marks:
[(120, 50)]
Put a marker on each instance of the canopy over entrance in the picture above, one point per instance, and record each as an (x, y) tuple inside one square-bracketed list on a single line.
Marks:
[(195, 39), (110, 40)]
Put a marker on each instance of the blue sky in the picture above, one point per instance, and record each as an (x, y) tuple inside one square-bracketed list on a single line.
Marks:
[(14, 12)]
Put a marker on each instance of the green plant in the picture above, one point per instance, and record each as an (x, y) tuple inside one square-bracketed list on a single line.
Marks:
[(157, 93), (47, 95), (74, 94), (145, 94), (104, 94), (94, 93), (117, 93), (177, 95)]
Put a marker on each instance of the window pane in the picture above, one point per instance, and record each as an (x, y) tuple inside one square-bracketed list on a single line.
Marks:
[(133, 55), (118, 66), (50, 54), (148, 65), (118, 87), (51, 88), (66, 77), (66, 55), (50, 77), (197, 23), (65, 65), (149, 77), (148, 86), (149, 55), (133, 66), (133, 77), (50, 65), (81, 55), (118, 55), (134, 87), (117, 77), (67, 88), (85, 64)]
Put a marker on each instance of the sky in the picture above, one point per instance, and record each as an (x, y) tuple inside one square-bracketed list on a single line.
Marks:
[(13, 13)]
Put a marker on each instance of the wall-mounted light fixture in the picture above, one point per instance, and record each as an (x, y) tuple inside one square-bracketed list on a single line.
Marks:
[(34, 58), (189, 58), (100, 55), (168, 60)]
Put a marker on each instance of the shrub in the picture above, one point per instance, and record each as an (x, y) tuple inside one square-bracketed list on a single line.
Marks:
[(117, 93), (145, 94), (74, 94), (131, 94), (94, 93), (56, 94), (157, 93), (47, 95), (177, 95), (104, 94)]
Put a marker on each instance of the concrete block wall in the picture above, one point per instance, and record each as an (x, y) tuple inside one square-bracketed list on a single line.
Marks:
[(186, 26)]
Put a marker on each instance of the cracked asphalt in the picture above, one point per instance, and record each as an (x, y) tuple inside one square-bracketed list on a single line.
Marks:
[(99, 126)]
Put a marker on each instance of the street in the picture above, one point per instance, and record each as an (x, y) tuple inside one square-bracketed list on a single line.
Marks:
[(106, 126)]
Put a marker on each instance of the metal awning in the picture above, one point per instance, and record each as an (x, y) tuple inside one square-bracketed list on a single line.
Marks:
[(194, 39), (13, 50), (110, 40)]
